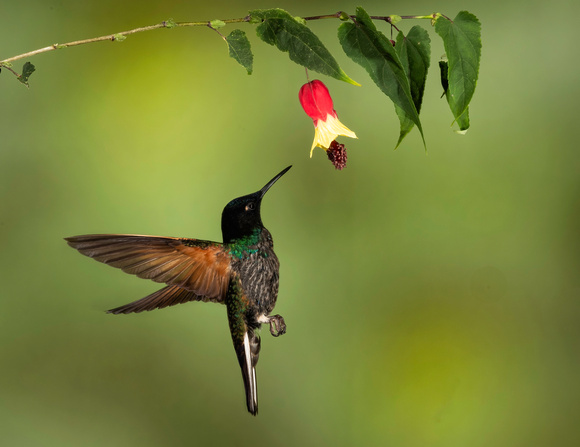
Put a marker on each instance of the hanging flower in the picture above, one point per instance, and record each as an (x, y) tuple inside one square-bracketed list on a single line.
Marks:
[(317, 104)]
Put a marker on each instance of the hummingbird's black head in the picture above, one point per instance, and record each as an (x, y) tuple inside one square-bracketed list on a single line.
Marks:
[(242, 215)]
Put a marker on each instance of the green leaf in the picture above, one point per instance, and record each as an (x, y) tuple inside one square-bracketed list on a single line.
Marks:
[(27, 70), (414, 52), (215, 24), (373, 51), (462, 41), (463, 119), (279, 28), (119, 37), (240, 49), (463, 122)]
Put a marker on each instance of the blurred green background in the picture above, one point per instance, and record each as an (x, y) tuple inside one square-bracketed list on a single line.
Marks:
[(431, 300)]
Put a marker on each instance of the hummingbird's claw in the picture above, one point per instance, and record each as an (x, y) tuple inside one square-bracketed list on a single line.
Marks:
[(277, 325)]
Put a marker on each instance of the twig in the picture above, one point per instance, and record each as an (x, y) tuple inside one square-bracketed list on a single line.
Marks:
[(6, 63), (112, 37)]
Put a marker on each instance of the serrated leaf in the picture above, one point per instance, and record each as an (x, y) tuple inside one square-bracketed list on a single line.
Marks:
[(279, 28), (27, 70), (215, 24), (414, 51), (462, 41), (240, 49), (374, 52), (463, 122)]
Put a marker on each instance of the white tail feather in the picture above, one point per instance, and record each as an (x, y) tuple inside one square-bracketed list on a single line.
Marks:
[(251, 373)]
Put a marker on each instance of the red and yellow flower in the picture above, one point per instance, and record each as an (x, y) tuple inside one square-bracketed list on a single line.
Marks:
[(317, 104)]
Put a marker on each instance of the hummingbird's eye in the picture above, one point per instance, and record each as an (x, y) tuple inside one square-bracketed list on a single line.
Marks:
[(250, 206)]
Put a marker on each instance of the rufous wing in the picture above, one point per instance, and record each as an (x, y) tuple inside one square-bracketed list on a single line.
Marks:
[(197, 266), (168, 296)]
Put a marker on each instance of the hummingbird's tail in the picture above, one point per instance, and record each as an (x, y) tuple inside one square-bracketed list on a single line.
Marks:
[(248, 354), (246, 341)]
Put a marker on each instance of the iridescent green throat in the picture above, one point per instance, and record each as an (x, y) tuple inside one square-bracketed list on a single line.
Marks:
[(244, 247)]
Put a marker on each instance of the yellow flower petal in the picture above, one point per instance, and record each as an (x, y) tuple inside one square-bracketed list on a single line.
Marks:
[(327, 131)]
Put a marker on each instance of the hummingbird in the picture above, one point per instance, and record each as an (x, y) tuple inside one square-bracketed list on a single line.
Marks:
[(242, 273)]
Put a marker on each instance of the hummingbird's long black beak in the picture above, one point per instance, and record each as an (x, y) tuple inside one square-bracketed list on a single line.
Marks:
[(265, 189)]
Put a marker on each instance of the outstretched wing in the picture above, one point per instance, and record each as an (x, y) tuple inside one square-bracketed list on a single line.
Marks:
[(168, 296), (200, 267)]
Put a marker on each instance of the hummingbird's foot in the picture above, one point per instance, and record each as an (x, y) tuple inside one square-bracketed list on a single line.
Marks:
[(277, 325)]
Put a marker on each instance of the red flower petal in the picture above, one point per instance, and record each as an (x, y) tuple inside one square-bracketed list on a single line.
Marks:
[(316, 101)]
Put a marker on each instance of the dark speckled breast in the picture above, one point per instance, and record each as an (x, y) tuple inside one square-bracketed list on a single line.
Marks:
[(259, 269)]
